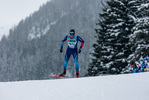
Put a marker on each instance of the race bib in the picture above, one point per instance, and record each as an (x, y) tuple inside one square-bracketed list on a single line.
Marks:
[(72, 42)]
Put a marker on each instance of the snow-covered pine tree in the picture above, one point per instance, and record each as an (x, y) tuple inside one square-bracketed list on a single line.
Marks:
[(112, 48), (100, 48), (96, 65), (140, 37)]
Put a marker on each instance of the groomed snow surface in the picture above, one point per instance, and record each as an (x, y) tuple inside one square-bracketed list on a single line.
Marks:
[(114, 87)]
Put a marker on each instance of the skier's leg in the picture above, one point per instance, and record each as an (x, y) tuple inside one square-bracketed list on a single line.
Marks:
[(75, 56), (67, 56)]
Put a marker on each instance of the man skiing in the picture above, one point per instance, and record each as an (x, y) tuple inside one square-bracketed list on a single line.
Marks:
[(72, 40)]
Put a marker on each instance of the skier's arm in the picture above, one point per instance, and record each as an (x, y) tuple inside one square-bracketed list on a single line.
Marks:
[(62, 42), (82, 42)]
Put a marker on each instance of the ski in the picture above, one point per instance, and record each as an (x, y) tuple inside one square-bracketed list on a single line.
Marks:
[(57, 77)]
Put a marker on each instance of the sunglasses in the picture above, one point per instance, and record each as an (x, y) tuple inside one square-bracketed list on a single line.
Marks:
[(71, 33)]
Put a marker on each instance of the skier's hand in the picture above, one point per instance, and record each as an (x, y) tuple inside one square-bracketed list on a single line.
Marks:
[(79, 51), (61, 50)]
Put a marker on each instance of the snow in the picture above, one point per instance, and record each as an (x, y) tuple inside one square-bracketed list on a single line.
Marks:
[(134, 19), (120, 54), (131, 2), (120, 2), (109, 64), (143, 6), (115, 87), (35, 32), (130, 57)]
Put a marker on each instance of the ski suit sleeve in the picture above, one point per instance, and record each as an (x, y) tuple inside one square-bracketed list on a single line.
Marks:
[(82, 42), (62, 42)]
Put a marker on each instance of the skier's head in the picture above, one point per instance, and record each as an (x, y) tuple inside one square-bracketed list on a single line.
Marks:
[(72, 33)]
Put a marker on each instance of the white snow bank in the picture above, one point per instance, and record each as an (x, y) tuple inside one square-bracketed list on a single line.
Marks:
[(116, 87)]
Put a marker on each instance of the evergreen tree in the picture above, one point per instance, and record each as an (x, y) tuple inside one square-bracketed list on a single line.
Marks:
[(140, 36), (112, 47)]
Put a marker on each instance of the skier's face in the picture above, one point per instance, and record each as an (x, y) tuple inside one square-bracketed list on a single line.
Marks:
[(72, 34)]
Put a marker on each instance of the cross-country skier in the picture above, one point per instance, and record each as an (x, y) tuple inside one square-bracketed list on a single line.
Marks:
[(72, 40)]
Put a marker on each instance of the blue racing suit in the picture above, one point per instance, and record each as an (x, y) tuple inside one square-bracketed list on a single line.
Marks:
[(72, 50)]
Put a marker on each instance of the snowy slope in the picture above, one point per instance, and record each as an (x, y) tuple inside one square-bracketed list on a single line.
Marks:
[(116, 87)]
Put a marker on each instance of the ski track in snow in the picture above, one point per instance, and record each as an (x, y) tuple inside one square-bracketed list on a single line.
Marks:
[(114, 87)]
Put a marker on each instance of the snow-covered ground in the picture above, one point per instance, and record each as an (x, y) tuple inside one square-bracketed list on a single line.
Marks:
[(115, 87)]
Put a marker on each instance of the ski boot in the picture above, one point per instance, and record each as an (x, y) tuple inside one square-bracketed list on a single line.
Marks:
[(77, 74), (63, 74)]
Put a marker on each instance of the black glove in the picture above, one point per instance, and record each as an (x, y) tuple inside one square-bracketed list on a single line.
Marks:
[(79, 51), (61, 50)]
